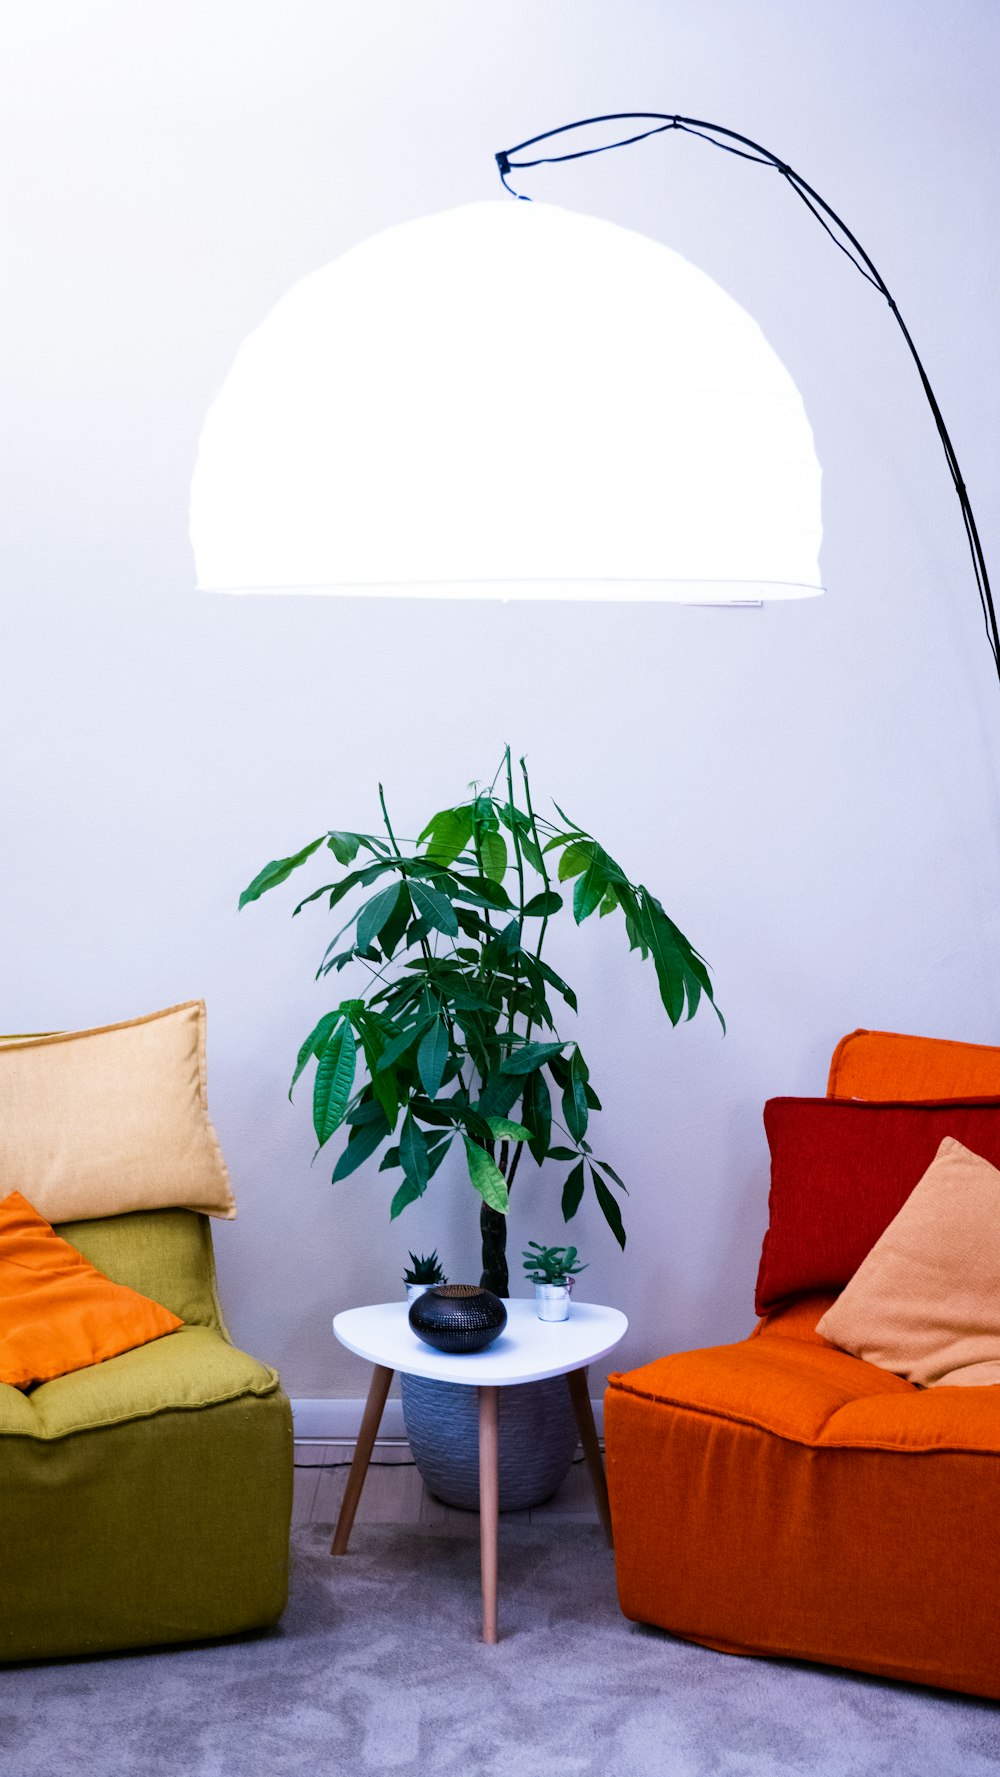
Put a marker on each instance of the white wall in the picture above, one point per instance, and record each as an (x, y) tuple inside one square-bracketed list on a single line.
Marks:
[(810, 788)]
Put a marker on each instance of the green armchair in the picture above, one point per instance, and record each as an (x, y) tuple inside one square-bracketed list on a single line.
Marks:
[(146, 1499)]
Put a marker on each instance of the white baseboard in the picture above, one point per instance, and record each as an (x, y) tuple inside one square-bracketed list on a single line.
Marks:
[(339, 1421)]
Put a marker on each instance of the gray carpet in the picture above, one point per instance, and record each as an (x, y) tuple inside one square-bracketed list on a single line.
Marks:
[(377, 1669)]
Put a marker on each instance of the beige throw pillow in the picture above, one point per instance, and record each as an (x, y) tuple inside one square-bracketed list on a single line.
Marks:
[(101, 1122), (926, 1301)]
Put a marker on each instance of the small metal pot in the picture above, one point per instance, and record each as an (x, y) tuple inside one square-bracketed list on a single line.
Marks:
[(415, 1290), (552, 1299)]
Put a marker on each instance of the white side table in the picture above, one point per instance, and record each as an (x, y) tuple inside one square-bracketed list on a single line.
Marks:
[(528, 1350)]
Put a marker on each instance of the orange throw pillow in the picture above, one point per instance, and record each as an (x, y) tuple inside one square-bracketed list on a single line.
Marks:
[(926, 1301), (57, 1311)]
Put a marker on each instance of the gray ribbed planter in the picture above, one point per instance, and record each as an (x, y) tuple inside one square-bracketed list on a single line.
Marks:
[(538, 1436)]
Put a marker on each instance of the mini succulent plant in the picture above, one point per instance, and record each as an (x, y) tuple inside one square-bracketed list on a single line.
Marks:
[(425, 1270), (550, 1264)]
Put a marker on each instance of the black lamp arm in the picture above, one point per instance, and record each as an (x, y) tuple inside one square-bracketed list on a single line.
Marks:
[(743, 146)]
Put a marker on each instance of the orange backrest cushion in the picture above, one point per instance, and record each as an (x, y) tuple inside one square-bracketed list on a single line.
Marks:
[(882, 1064), (57, 1311)]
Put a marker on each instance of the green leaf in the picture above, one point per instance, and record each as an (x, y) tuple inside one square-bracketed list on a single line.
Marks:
[(398, 1045), (558, 983), (575, 858), (383, 1084), (543, 905), (466, 999), (562, 1154), (315, 1041), (610, 900), (679, 968), (375, 913), (669, 973), (536, 1108), (344, 846), (529, 1056), (479, 891), (337, 890), (278, 871), (408, 1193), (450, 832), (572, 1192), (472, 924), (367, 1110), (435, 908), (611, 1174), (509, 815), (493, 851), (472, 1120), (508, 941), (612, 1213), (361, 1145), (559, 1069), (413, 1152), (397, 922), (574, 1098), (486, 1177), (436, 1150), (589, 890), (500, 1094), (333, 1084), (504, 1130), (431, 1057)]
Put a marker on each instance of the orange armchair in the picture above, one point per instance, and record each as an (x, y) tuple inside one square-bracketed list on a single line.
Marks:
[(780, 1497)]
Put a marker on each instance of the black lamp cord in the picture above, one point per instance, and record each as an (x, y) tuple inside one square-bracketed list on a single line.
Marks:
[(839, 233)]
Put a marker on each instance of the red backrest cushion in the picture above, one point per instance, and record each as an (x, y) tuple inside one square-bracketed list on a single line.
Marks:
[(841, 1169)]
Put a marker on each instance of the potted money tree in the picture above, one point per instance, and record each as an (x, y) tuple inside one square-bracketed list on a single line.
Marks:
[(450, 1043)]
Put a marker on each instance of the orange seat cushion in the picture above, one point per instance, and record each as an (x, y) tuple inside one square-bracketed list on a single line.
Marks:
[(57, 1311), (781, 1497)]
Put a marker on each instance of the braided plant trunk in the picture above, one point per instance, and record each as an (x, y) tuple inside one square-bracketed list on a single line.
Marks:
[(493, 1228)]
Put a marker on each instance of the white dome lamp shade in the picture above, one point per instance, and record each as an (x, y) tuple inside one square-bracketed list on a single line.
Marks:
[(509, 400)]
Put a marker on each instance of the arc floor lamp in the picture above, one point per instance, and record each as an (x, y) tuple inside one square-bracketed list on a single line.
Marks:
[(515, 400)]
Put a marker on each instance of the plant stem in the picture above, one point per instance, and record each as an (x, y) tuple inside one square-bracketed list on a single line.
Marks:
[(517, 846), (513, 1164), (425, 947), (493, 1228), (541, 855)]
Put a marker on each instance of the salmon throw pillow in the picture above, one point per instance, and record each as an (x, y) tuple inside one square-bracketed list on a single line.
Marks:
[(926, 1301), (57, 1311)]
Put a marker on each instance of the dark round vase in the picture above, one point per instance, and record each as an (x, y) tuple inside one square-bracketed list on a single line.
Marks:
[(458, 1317)]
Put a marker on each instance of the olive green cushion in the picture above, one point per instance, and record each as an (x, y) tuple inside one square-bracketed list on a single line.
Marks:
[(163, 1253), (163, 1529), (194, 1367)]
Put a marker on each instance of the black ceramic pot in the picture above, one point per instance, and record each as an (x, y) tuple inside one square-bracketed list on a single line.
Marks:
[(458, 1317)]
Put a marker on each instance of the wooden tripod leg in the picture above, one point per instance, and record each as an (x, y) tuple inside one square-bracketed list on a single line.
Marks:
[(580, 1396), (489, 1504), (362, 1455)]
